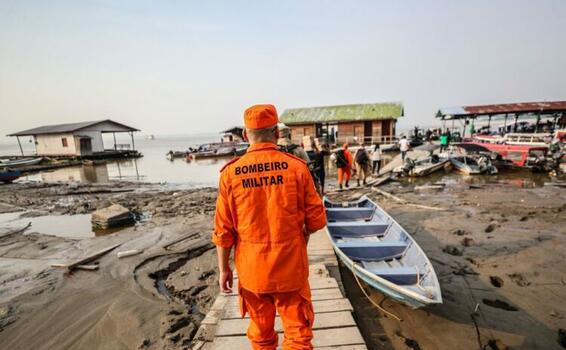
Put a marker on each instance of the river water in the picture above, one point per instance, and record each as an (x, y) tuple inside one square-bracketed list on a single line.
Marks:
[(152, 167)]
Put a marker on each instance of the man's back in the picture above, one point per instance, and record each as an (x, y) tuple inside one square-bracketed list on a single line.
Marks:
[(269, 195), (267, 207)]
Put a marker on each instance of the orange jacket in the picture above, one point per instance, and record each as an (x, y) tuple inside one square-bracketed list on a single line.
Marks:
[(265, 199)]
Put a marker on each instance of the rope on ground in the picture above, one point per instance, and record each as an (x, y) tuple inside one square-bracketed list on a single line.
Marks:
[(402, 201), (379, 307)]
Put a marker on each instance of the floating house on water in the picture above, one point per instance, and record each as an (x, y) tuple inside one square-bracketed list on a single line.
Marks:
[(367, 123), (79, 139)]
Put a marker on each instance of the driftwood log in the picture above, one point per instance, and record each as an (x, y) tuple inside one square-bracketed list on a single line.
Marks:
[(87, 259)]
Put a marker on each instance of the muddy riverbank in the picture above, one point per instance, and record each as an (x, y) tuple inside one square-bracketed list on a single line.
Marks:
[(153, 300), (498, 250)]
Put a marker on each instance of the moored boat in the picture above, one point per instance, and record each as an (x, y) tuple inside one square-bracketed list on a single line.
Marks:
[(422, 167), (381, 253), (522, 156), (20, 162), (472, 165), (9, 175), (176, 154)]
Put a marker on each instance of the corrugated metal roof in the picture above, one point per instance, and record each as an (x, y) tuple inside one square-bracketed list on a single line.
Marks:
[(511, 108), (66, 128), (330, 114)]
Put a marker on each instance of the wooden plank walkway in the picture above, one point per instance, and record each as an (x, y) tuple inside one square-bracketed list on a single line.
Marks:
[(334, 327)]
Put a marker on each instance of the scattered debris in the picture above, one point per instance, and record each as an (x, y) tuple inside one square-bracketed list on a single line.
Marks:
[(112, 216), (87, 259), (127, 253)]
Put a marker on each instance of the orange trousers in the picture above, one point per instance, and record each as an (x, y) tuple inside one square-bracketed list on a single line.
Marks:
[(344, 174), (295, 310)]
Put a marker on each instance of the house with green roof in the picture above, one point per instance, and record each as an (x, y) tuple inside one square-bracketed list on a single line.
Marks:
[(356, 123)]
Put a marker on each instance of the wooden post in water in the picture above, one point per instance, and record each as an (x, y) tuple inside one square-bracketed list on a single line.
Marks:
[(20, 144)]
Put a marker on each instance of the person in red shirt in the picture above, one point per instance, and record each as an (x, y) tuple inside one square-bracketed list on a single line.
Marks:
[(266, 209)]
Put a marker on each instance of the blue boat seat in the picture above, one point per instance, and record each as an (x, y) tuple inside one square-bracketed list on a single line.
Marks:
[(348, 214), (402, 276), (357, 229), (372, 251)]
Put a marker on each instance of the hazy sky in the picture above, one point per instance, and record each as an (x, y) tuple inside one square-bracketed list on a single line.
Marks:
[(171, 67)]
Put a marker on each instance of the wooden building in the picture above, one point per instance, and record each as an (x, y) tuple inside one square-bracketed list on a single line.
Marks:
[(76, 139), (367, 123)]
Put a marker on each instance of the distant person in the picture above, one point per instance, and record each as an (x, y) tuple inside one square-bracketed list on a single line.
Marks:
[(362, 160), (317, 161), (416, 132), (443, 142), (344, 162), (376, 159), (428, 135), (286, 145), (404, 146), (448, 137)]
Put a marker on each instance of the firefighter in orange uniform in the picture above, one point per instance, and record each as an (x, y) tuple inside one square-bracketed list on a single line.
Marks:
[(345, 172), (267, 207)]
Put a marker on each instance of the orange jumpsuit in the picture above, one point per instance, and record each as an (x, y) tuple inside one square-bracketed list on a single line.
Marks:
[(266, 200), (345, 173)]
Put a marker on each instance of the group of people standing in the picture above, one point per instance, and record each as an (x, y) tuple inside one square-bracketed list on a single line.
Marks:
[(362, 164)]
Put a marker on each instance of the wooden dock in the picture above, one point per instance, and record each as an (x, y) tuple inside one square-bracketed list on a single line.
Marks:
[(334, 326)]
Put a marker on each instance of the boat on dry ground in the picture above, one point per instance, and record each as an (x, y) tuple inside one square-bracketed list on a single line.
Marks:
[(381, 253)]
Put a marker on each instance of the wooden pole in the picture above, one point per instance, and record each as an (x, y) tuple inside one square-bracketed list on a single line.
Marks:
[(505, 124), (516, 120), (538, 121), (114, 134), (20, 144), (133, 143)]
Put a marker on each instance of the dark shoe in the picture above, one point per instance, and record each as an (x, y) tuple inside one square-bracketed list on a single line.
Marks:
[(347, 184), (358, 183), (340, 186), (365, 182)]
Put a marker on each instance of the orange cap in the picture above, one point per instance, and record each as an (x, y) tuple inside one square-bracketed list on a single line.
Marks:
[(260, 117)]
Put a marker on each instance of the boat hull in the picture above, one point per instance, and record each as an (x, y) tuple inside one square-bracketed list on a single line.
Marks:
[(21, 163), (9, 176), (424, 171), (380, 252), (390, 290)]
